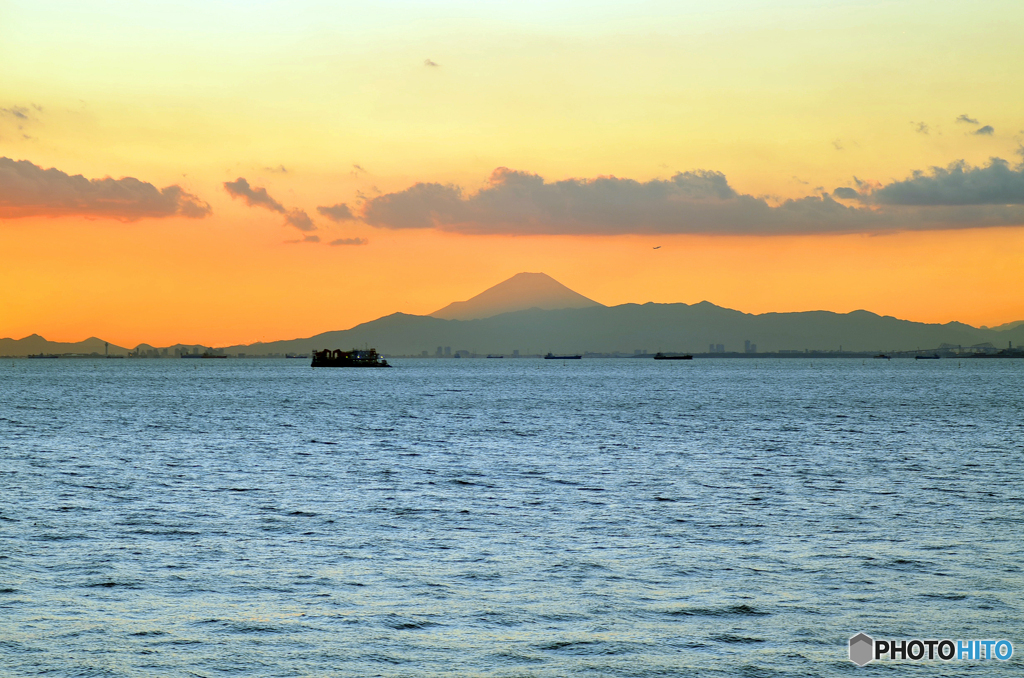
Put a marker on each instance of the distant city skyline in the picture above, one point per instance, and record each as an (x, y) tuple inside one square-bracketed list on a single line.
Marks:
[(200, 175)]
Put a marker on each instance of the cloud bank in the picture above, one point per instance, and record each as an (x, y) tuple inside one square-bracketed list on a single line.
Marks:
[(957, 184), (703, 202), (27, 190)]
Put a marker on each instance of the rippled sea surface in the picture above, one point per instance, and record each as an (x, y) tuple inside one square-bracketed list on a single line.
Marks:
[(506, 517)]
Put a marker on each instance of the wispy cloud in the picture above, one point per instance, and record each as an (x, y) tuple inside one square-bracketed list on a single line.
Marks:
[(20, 118), (258, 197), (254, 197), (15, 112), (920, 127), (702, 201), (967, 119), (339, 212), (987, 130), (431, 64), (312, 239), (349, 241), (29, 190)]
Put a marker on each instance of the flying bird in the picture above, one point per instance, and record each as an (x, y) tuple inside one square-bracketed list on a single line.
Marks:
[(658, 247)]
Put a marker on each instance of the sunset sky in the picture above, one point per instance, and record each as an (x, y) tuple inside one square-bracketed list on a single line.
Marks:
[(230, 172)]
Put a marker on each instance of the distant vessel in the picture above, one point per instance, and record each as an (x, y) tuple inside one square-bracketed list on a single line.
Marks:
[(934, 356), (44, 356), (673, 356), (204, 354), (296, 355), (882, 356), (353, 358), (491, 355), (552, 356)]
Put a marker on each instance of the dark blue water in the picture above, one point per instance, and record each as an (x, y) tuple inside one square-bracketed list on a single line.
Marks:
[(506, 517)]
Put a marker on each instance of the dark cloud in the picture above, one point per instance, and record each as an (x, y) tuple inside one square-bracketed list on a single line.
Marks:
[(921, 127), (703, 202), (300, 220), (689, 202), (955, 185), (280, 169), (258, 197), (431, 64), (349, 241), (986, 130), (968, 119), (339, 212), (254, 197), (29, 190)]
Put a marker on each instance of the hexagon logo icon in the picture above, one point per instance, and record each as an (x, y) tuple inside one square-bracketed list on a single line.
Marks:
[(862, 649)]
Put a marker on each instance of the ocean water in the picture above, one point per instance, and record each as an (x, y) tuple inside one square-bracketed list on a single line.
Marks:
[(506, 517)]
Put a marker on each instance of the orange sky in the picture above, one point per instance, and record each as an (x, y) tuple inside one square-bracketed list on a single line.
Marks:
[(321, 105)]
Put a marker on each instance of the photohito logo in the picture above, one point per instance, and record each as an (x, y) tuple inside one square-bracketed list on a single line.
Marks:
[(865, 649)]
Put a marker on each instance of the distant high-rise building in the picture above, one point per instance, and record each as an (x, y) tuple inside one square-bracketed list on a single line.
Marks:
[(515, 353), (719, 348), (749, 347), (448, 351), (440, 352), (711, 348)]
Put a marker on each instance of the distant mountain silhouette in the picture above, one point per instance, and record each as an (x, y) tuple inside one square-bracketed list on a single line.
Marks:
[(1008, 326), (35, 344), (519, 293), (534, 314), (651, 327)]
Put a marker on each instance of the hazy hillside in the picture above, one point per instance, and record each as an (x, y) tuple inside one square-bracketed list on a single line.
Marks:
[(35, 344)]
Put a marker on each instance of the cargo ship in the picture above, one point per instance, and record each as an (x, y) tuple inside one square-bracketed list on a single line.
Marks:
[(353, 358), (672, 356)]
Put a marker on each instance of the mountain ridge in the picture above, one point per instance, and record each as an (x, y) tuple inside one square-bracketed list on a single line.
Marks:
[(587, 326)]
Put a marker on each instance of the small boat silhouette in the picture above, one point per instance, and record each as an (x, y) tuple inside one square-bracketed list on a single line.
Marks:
[(353, 358)]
